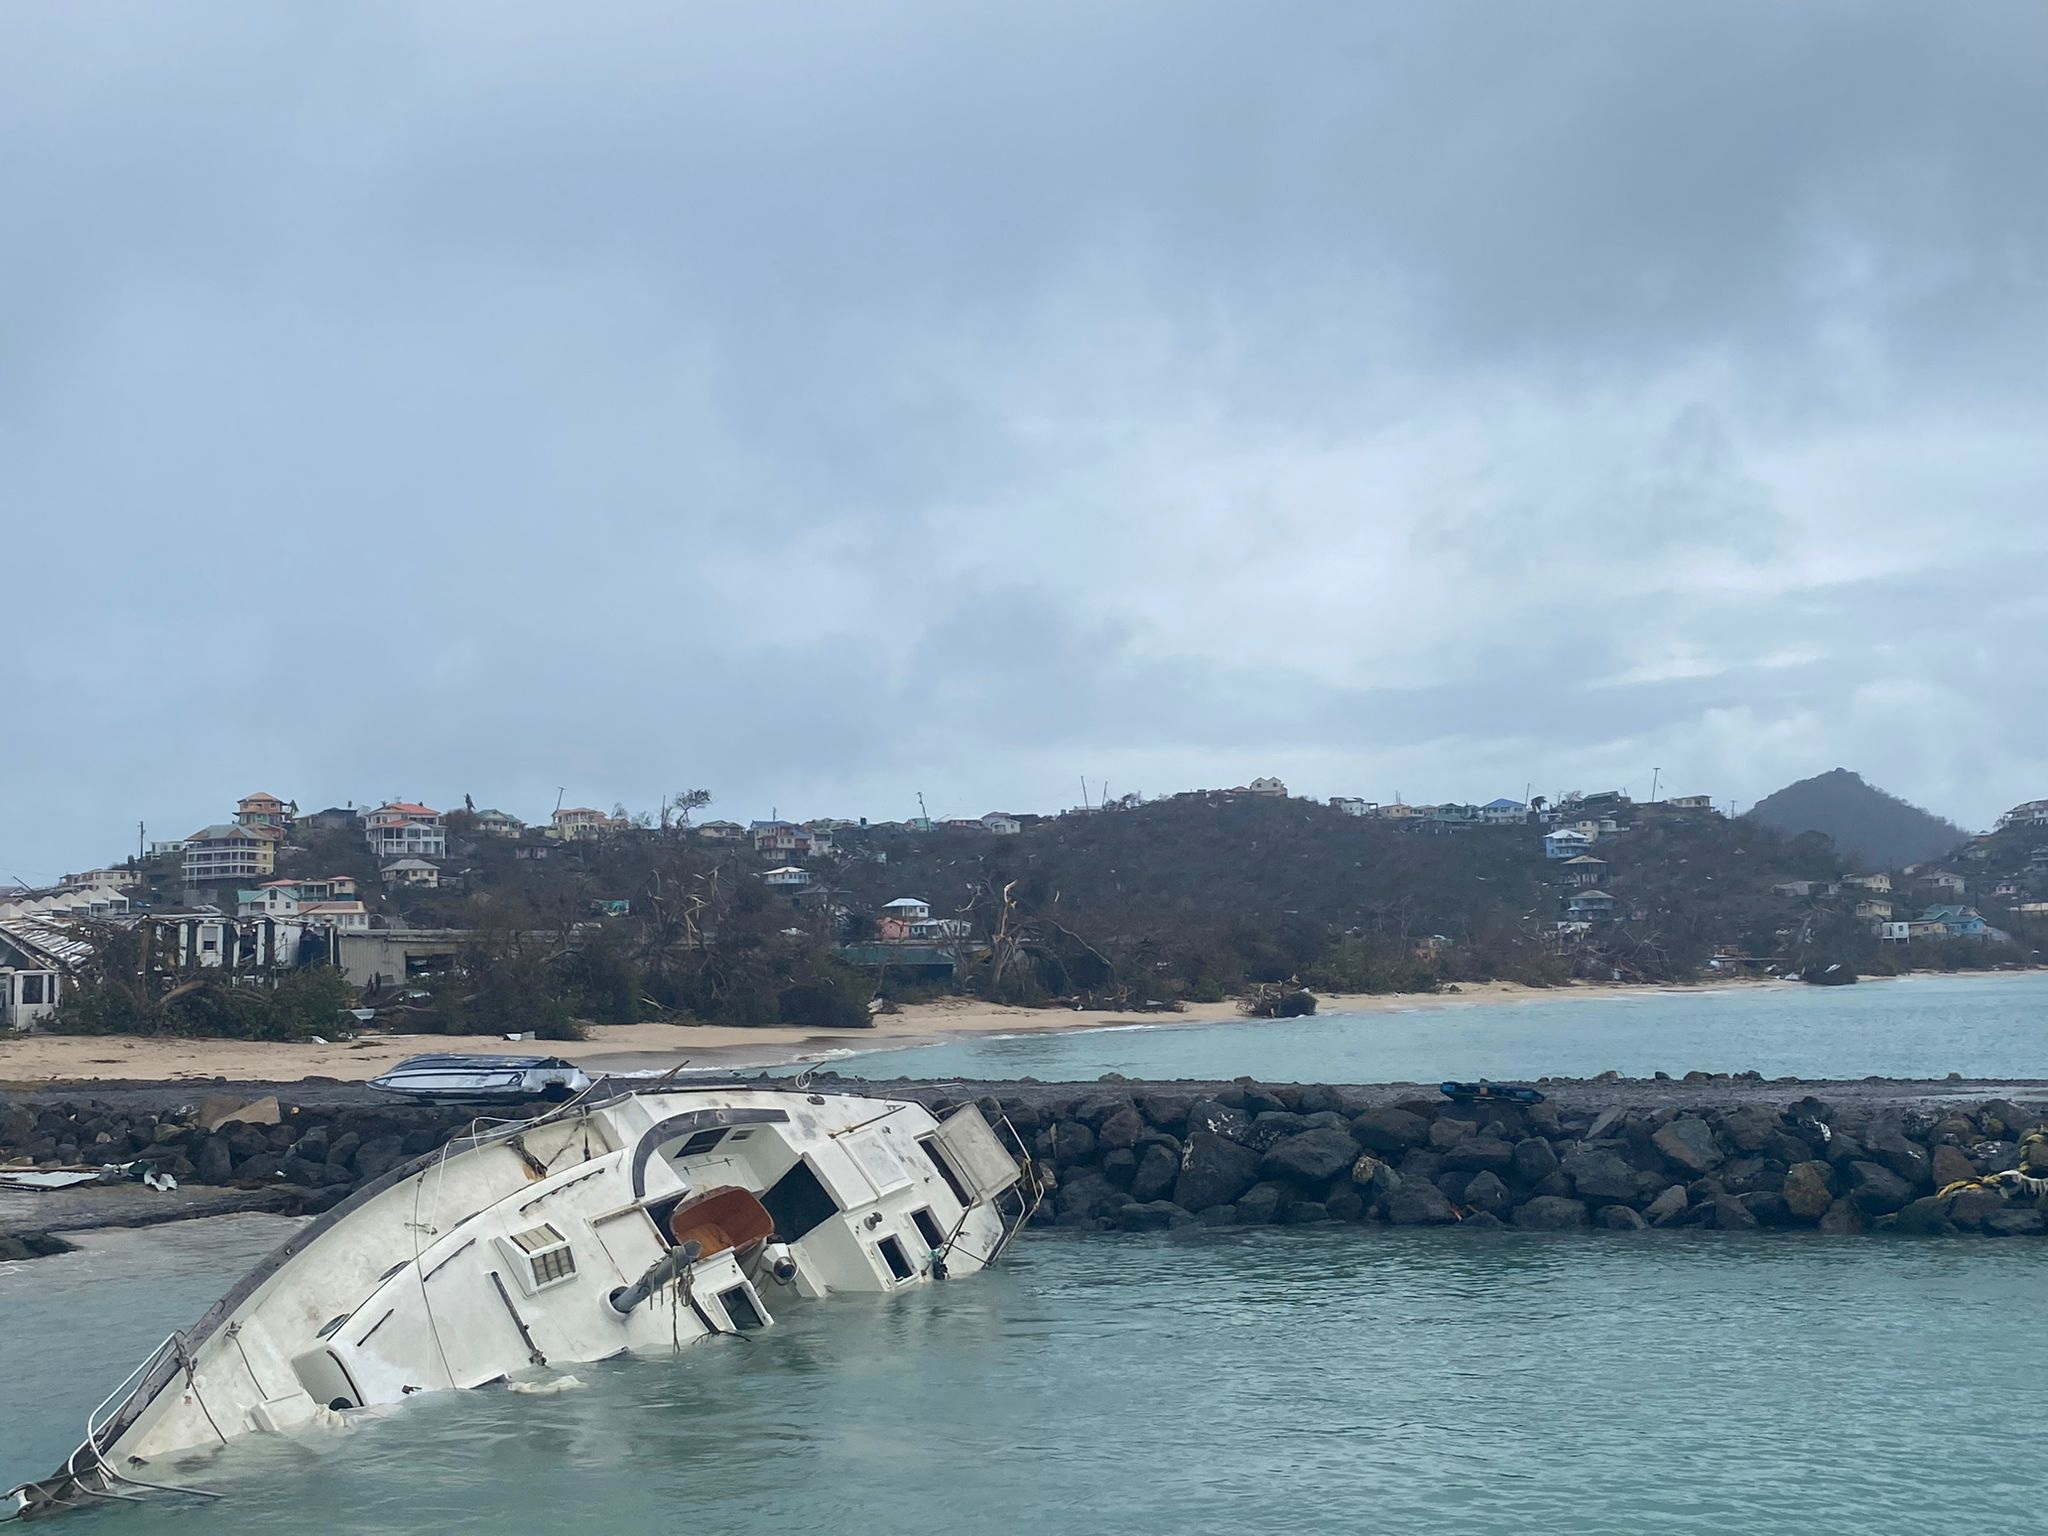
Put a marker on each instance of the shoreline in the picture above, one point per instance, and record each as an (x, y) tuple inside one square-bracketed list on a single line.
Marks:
[(37, 1060), (31, 1062)]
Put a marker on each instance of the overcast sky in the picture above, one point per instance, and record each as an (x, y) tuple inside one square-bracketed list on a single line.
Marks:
[(824, 403)]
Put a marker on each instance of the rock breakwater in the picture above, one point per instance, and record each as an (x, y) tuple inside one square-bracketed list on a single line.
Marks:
[(1142, 1157)]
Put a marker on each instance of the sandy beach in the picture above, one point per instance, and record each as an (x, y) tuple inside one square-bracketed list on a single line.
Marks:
[(36, 1059)]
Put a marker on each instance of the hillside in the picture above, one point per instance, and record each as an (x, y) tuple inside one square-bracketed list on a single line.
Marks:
[(1871, 829)]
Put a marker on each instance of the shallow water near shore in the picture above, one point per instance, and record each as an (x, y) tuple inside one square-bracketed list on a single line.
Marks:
[(1335, 1380), (1919, 1026)]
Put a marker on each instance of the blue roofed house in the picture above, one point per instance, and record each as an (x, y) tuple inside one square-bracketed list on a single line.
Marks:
[(1959, 922)]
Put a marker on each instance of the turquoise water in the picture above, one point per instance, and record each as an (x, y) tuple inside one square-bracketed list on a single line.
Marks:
[(1332, 1381), (1980, 1026)]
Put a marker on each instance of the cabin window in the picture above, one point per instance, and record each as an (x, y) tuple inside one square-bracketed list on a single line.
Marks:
[(928, 1228), (549, 1259), (800, 1203), (937, 1153), (891, 1249), (701, 1142), (739, 1306)]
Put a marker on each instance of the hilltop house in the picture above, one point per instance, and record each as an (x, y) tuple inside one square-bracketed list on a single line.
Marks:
[(1351, 805), (402, 829), (262, 810), (1002, 824), (218, 854), (1803, 888), (720, 831), (1874, 910), (789, 876), (1503, 812), (580, 823), (113, 877), (495, 823), (1567, 843), (411, 872), (1690, 802), (1878, 882), (1272, 788), (1945, 880), (2033, 813), (786, 840), (1582, 872)]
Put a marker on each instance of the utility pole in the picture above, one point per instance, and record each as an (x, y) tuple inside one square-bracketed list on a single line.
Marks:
[(141, 832), (1655, 775)]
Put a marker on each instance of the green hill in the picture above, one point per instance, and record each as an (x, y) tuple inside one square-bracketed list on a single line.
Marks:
[(1873, 830)]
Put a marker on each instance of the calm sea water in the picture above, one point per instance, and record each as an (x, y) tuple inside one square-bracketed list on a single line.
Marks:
[(1980, 1026), (1328, 1381)]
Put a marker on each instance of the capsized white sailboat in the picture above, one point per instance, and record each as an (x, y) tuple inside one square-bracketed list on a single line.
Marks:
[(631, 1220)]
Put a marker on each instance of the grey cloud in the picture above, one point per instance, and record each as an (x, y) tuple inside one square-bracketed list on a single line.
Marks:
[(825, 404)]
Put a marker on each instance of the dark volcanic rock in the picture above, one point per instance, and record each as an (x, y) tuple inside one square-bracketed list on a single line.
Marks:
[(1951, 1164), (1390, 1132), (1481, 1154), (214, 1162), (1418, 1203), (1448, 1132), (1535, 1160), (1486, 1192), (1154, 1177), (379, 1155), (1121, 1129), (1119, 1166), (1213, 1171), (1600, 1173), (1305, 1213), (1876, 1190), (1619, 1218), (1843, 1217), (2016, 1223), (1807, 1193), (1312, 1157), (1152, 1216), (1688, 1143), (1668, 1207), (1261, 1205), (1551, 1213), (1072, 1144)]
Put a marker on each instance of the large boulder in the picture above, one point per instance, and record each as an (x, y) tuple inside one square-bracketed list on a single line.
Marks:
[(1418, 1203), (1374, 1177), (1551, 1213), (1480, 1154), (1877, 1191), (1220, 1119), (1951, 1165), (1390, 1132), (1535, 1159), (214, 1163), (1310, 1157), (379, 1155), (1688, 1144), (1668, 1206), (1619, 1218), (1807, 1193), (1600, 1173), (1261, 1205), (2023, 1222), (1158, 1168), (1843, 1217), (1152, 1216), (1887, 1142), (1072, 1144), (1488, 1193), (1971, 1209), (1448, 1132), (1750, 1128), (1214, 1170), (1121, 1128)]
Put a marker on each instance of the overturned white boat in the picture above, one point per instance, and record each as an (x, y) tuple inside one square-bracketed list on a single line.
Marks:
[(622, 1221)]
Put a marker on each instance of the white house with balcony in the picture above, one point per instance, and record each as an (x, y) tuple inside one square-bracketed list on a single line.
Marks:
[(402, 829), (789, 877), (1351, 805), (1567, 843)]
